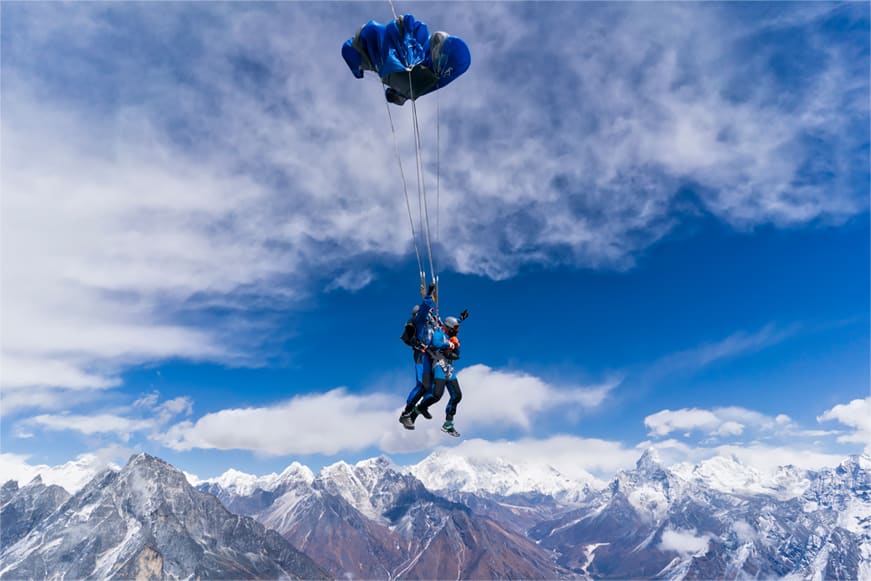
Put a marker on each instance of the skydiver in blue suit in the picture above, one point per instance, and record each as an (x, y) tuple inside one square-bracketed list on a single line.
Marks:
[(417, 335), (443, 349)]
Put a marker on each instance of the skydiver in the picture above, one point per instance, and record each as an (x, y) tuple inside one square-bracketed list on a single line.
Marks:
[(422, 368), (418, 331), (443, 349)]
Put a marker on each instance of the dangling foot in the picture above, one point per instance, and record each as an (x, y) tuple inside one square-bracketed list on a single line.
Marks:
[(448, 428), (407, 421), (423, 411)]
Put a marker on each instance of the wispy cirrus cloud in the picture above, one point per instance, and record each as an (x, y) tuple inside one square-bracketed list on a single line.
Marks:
[(735, 345), (146, 416), (91, 424)]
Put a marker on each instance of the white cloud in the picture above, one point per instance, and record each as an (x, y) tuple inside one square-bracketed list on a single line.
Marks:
[(148, 400), (725, 421), (666, 421), (156, 415), (501, 397), (856, 415), (729, 428), (765, 458), (684, 542), (337, 421), (176, 406), (72, 475), (572, 456), (744, 531), (735, 345), (233, 184), (351, 280), (327, 423), (92, 424), (17, 400)]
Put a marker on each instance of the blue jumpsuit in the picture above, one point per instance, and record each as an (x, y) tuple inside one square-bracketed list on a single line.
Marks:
[(422, 363), (443, 375)]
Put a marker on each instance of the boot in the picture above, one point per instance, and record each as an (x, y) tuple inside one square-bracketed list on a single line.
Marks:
[(448, 428), (407, 420)]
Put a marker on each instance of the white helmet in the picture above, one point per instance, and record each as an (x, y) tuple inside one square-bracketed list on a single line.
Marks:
[(452, 324)]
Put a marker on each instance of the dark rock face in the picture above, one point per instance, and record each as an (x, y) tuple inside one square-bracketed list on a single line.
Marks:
[(23, 509), (147, 521)]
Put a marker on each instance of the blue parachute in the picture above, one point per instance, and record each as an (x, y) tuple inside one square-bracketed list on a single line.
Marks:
[(409, 60)]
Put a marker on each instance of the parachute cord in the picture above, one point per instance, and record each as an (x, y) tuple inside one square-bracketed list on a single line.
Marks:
[(405, 191), (392, 9), (420, 179), (438, 171)]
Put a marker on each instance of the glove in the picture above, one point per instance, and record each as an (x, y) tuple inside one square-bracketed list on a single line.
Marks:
[(464, 315), (455, 342), (431, 289)]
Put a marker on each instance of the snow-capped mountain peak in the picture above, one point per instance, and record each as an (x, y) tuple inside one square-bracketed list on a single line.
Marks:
[(244, 484), (369, 486), (146, 520), (448, 470), (296, 472), (649, 460), (241, 482)]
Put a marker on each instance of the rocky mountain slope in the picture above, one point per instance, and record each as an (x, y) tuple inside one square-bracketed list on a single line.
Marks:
[(142, 521)]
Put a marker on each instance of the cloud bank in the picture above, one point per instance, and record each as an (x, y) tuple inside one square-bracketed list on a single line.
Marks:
[(339, 421)]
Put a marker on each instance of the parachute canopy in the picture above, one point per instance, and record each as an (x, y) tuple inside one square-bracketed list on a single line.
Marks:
[(409, 60)]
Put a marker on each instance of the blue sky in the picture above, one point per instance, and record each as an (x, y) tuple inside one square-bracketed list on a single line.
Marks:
[(658, 218)]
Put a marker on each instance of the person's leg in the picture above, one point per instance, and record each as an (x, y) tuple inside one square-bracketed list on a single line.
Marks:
[(420, 387), (438, 389), (456, 395)]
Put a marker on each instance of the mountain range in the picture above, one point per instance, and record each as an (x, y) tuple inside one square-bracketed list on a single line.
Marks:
[(450, 516)]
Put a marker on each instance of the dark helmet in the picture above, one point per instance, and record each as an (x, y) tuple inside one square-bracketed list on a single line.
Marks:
[(452, 324)]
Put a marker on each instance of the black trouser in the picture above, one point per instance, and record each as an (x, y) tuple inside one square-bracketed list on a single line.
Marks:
[(438, 390), (416, 396)]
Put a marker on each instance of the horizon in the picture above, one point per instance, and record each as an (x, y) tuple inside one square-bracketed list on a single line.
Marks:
[(659, 224), (75, 478)]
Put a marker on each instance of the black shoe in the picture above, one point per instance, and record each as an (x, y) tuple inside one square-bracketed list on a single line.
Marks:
[(424, 412), (448, 428), (407, 421)]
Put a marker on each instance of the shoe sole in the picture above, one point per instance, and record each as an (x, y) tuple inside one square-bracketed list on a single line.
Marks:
[(406, 426), (453, 433)]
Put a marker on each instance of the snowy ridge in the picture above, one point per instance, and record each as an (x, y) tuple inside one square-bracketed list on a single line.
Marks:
[(72, 476), (369, 486), (447, 470), (243, 484), (730, 475)]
